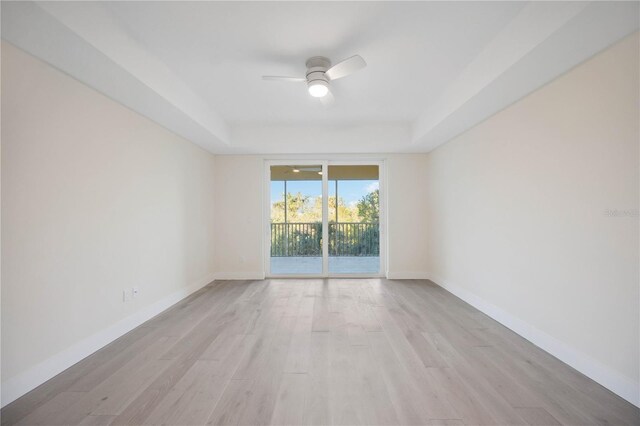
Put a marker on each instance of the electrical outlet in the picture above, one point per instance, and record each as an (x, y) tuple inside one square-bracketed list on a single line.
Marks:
[(135, 292), (126, 295)]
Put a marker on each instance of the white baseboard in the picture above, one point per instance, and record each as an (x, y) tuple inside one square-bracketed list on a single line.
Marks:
[(590, 367), (239, 276), (19, 385), (407, 275)]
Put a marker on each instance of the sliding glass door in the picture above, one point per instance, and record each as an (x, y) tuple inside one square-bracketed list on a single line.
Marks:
[(324, 219)]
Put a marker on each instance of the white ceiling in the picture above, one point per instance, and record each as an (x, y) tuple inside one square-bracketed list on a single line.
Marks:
[(221, 50), (434, 68)]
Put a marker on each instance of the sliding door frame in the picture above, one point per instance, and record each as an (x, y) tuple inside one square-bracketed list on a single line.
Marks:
[(324, 163)]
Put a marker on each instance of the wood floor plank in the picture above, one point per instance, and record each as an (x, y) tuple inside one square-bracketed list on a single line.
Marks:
[(325, 317), (92, 420), (436, 406), (194, 397), (232, 404), (17, 410), (379, 409), (121, 389), (352, 317), (54, 411), (317, 408), (457, 393), (256, 358), (519, 369), (300, 348), (445, 422), (290, 400), (536, 416), (402, 389), (477, 385), (102, 372), (568, 404), (190, 348), (509, 387), (267, 380), (345, 402), (321, 352)]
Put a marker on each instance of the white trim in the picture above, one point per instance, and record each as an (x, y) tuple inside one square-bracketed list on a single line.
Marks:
[(407, 275), (266, 218), (350, 276), (325, 218), (231, 275), (617, 383), (383, 186), (19, 385)]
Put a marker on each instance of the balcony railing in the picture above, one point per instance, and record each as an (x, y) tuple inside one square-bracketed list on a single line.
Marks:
[(305, 239)]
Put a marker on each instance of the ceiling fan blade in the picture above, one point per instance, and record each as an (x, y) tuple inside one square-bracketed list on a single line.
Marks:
[(278, 78), (346, 67), (328, 99)]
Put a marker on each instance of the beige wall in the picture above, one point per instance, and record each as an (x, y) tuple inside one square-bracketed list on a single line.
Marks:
[(517, 214), (407, 219), (95, 199), (239, 196), (238, 217)]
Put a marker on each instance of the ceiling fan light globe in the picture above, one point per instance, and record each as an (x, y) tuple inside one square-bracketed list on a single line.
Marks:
[(318, 89)]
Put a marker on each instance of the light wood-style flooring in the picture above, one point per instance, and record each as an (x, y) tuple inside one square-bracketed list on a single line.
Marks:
[(333, 351)]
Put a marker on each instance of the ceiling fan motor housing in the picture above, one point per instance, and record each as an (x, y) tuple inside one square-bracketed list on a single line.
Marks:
[(316, 69)]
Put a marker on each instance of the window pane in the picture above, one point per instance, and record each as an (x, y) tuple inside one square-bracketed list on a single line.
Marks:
[(296, 220), (354, 232)]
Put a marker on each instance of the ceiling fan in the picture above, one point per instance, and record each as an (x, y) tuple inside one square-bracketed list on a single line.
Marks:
[(320, 73)]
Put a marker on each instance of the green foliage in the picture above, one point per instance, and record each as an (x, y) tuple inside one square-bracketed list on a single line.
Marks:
[(305, 209), (300, 208), (354, 239), (345, 213), (302, 235), (369, 207)]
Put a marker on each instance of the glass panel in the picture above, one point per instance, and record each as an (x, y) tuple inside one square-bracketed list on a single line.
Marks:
[(354, 216), (296, 220)]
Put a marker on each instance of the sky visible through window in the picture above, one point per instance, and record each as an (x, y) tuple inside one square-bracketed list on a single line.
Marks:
[(351, 191)]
